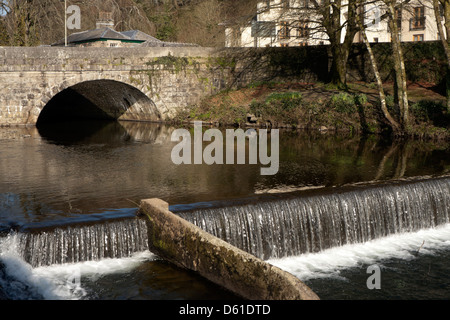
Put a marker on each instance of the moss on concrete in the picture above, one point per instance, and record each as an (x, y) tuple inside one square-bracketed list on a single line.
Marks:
[(187, 246)]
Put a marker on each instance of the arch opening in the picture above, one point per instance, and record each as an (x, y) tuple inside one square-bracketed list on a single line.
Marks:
[(108, 100)]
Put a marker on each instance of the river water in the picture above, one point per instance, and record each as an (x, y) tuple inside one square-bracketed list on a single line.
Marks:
[(91, 172)]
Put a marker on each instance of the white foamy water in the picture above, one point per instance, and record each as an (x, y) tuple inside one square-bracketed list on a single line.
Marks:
[(292, 226), (329, 263), (65, 281)]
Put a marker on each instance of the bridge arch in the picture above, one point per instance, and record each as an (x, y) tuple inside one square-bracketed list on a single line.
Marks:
[(103, 99)]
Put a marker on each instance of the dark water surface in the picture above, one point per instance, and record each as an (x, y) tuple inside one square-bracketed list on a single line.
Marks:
[(93, 171)]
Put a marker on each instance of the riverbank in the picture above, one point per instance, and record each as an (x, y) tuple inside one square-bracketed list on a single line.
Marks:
[(318, 106)]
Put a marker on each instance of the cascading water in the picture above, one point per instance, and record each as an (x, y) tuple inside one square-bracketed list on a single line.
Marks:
[(275, 229), (90, 242)]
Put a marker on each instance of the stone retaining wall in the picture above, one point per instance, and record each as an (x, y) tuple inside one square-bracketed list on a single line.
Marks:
[(180, 242)]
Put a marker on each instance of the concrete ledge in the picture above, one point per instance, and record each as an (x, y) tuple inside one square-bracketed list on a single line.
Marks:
[(187, 246)]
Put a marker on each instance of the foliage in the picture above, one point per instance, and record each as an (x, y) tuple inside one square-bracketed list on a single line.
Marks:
[(343, 103), (165, 24), (169, 61), (4, 36), (285, 100), (429, 111), (340, 112)]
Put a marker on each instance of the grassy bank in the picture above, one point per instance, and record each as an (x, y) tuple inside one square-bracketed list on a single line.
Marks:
[(317, 106)]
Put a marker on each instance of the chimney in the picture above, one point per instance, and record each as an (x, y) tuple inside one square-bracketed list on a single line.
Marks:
[(105, 20)]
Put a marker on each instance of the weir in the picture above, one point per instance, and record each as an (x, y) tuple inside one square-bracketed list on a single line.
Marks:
[(323, 219), (88, 242), (228, 243)]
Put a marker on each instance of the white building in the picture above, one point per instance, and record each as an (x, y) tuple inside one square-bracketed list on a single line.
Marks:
[(282, 23)]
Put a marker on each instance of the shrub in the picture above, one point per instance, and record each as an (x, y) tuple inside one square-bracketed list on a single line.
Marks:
[(343, 103), (285, 100), (429, 111), (360, 99), (257, 108)]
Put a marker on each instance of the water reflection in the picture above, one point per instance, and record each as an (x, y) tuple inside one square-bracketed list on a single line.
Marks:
[(107, 133), (50, 173)]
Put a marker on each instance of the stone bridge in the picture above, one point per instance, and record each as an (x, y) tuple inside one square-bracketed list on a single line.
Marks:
[(145, 84)]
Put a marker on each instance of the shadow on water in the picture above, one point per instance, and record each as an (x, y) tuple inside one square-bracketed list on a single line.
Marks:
[(106, 132), (83, 132)]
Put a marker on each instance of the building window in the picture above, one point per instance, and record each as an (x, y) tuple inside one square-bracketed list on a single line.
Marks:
[(236, 36), (417, 22), (417, 37), (263, 29), (398, 19), (398, 14), (284, 30), (302, 29)]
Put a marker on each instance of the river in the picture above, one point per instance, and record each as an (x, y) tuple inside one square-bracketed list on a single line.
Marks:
[(90, 172)]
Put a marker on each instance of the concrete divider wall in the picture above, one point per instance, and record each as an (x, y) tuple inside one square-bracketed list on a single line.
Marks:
[(187, 246)]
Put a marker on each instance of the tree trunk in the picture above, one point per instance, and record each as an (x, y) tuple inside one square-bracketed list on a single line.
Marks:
[(444, 39), (339, 66), (333, 25), (399, 66), (387, 115)]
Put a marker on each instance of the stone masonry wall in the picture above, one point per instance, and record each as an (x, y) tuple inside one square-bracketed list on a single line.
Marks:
[(170, 77)]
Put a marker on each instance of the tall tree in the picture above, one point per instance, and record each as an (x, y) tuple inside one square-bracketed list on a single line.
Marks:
[(4, 36), (394, 124), (444, 35), (340, 31), (393, 12), (336, 19), (25, 31)]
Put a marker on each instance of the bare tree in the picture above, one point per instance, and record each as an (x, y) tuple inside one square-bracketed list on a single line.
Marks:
[(339, 22), (331, 21), (398, 59), (442, 9), (22, 22), (394, 124), (36, 22), (200, 23)]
